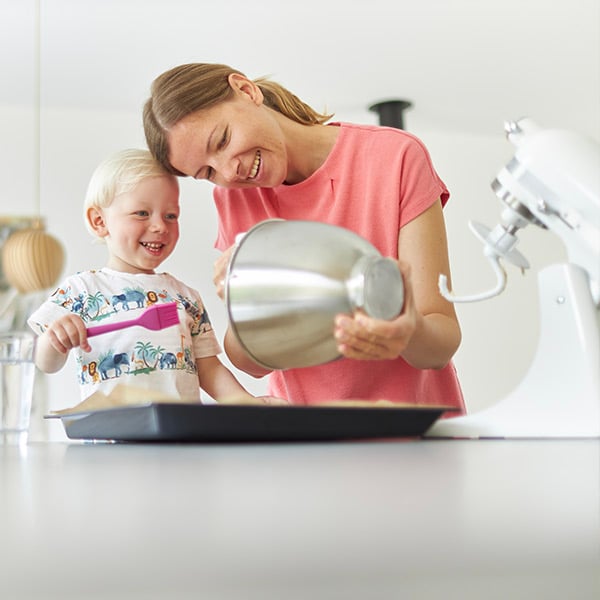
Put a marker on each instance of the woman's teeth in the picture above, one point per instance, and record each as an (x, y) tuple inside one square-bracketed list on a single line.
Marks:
[(255, 166)]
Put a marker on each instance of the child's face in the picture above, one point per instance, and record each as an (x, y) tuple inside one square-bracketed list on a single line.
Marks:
[(141, 227)]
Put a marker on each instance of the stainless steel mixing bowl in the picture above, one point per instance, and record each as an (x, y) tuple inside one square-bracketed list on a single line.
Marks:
[(287, 280)]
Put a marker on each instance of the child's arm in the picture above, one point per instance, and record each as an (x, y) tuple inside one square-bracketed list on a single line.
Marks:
[(54, 344), (220, 383)]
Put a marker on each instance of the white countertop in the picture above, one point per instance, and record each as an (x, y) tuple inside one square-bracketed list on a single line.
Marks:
[(406, 519)]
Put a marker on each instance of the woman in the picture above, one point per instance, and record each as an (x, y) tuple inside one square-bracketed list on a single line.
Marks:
[(270, 155)]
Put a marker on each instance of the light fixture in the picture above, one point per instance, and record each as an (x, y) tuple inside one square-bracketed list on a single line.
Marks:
[(32, 259), (391, 112)]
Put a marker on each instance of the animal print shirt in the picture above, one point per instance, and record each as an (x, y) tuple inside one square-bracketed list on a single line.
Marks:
[(163, 360)]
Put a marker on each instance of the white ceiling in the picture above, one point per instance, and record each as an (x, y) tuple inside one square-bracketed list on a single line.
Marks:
[(465, 64)]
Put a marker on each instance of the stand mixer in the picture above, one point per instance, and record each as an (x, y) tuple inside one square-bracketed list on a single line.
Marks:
[(553, 181)]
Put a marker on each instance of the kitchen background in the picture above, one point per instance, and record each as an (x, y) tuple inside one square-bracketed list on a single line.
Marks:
[(466, 65)]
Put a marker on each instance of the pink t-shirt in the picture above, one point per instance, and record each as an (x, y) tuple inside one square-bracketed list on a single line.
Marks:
[(375, 180)]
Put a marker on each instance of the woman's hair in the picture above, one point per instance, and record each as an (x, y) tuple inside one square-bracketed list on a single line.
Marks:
[(118, 174), (188, 88)]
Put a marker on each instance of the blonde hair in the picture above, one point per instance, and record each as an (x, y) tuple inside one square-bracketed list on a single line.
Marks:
[(188, 88), (119, 174)]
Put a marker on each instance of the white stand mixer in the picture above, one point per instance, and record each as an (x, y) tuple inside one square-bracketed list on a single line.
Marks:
[(553, 181)]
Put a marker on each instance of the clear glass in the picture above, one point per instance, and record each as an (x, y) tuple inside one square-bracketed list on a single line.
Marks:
[(17, 375)]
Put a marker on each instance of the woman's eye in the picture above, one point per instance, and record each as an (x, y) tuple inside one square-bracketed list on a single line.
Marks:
[(223, 141)]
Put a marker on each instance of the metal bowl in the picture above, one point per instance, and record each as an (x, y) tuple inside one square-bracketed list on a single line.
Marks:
[(287, 280)]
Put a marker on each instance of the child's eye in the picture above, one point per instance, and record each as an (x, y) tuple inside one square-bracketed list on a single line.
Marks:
[(141, 213), (172, 217)]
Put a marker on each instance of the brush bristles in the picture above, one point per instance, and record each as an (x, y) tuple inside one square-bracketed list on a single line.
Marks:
[(170, 320), (167, 314)]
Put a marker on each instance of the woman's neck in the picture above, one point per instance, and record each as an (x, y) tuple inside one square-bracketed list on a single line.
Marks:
[(308, 147)]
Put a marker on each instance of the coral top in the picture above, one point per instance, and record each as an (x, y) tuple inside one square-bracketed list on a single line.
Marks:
[(375, 180)]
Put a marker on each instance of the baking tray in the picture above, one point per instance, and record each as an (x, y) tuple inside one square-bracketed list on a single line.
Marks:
[(169, 422)]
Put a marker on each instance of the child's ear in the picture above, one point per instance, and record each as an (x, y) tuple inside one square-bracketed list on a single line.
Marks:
[(95, 218)]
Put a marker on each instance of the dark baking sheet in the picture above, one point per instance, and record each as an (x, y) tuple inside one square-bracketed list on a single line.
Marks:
[(166, 422)]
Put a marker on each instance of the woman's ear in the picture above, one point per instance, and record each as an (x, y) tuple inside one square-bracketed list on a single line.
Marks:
[(95, 218), (241, 84)]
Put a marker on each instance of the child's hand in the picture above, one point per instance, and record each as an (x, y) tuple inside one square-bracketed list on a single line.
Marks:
[(68, 332)]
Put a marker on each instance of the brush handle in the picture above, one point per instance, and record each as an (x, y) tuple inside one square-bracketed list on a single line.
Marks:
[(98, 329)]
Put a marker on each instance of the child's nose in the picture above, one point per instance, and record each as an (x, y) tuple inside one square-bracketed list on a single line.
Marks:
[(158, 224)]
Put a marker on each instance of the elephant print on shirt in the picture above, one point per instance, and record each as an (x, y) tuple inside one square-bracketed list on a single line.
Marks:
[(113, 361), (126, 297), (168, 361)]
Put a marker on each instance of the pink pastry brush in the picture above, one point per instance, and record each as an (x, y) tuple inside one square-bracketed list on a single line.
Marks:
[(158, 316)]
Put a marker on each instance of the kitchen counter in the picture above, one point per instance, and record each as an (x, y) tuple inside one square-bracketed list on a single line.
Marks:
[(393, 519)]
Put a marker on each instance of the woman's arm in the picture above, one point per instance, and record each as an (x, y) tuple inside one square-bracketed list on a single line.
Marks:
[(238, 356), (427, 333)]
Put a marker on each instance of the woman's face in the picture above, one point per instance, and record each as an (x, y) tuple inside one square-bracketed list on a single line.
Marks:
[(237, 143)]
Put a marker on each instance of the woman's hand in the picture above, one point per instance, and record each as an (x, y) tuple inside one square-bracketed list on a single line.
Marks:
[(220, 271), (427, 333), (363, 337)]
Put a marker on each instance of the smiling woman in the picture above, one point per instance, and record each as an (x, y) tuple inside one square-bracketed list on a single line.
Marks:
[(270, 155)]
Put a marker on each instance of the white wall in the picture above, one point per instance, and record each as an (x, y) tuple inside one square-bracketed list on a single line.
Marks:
[(499, 335)]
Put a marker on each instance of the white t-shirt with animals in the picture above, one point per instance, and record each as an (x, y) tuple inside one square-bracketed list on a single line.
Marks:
[(162, 360)]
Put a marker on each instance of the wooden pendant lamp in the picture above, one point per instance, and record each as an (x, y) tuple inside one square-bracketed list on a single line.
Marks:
[(32, 259)]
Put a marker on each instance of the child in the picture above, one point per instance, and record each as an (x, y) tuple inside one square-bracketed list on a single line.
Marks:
[(132, 204)]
